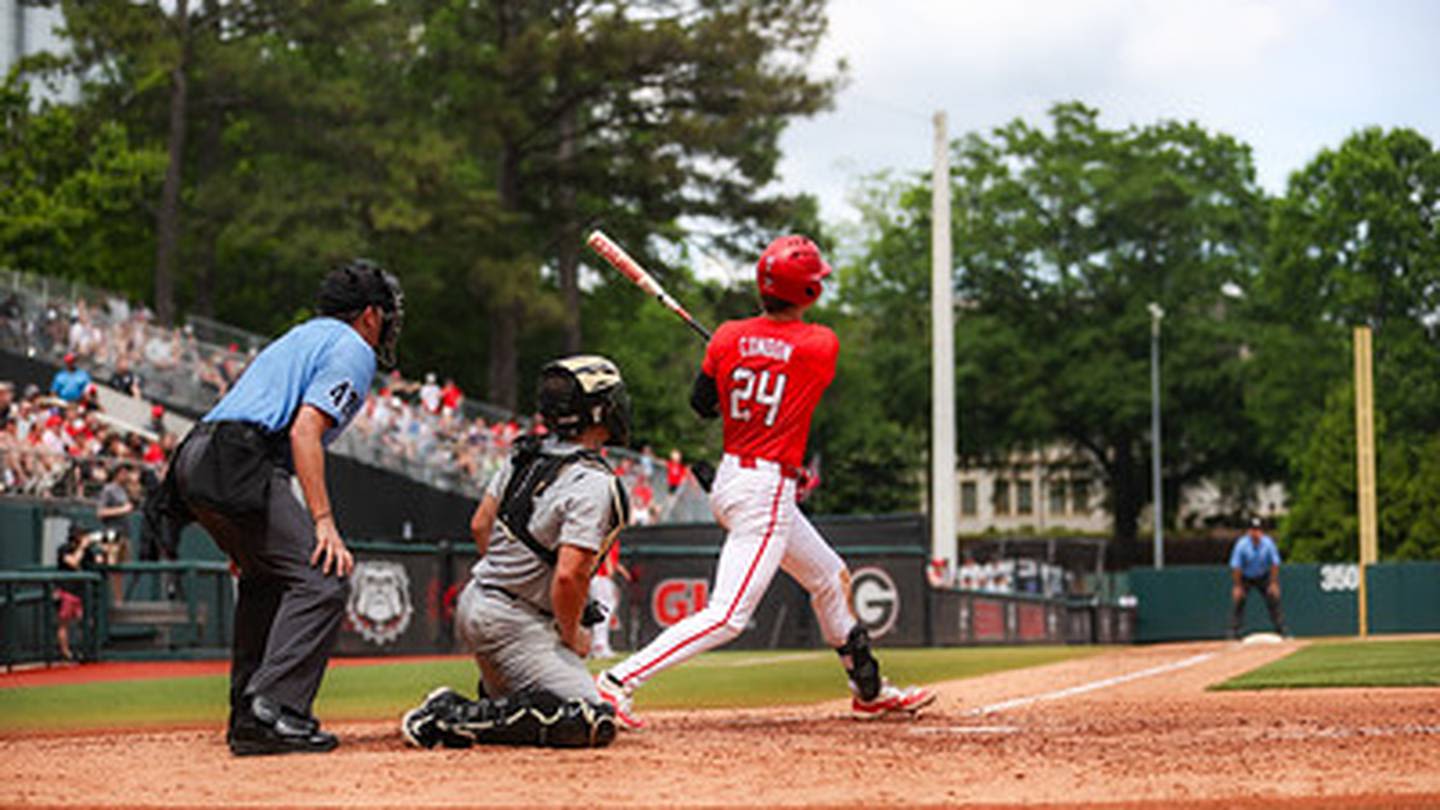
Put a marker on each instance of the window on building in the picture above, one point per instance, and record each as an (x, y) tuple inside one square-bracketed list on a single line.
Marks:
[(1001, 498), (1024, 497), (969, 498), (1057, 497), (1080, 496)]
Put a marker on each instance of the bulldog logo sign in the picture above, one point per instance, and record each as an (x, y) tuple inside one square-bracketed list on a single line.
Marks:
[(379, 608)]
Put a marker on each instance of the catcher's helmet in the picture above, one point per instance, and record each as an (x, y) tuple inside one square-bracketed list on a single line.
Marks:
[(351, 287), (583, 390), (791, 269)]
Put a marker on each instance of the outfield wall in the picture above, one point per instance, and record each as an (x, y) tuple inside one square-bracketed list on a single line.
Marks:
[(403, 595), (1193, 602)]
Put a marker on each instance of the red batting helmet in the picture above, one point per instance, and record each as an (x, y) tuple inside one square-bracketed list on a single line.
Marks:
[(791, 269)]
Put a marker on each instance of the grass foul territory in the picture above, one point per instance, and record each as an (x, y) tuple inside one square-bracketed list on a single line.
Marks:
[(715, 680), (1349, 664)]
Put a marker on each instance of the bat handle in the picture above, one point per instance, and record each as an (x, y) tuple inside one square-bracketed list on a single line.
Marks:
[(699, 330)]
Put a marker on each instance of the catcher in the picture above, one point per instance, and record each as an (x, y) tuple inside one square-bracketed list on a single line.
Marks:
[(545, 519)]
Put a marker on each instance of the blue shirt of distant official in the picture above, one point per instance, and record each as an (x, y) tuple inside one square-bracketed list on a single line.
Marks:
[(1254, 561), (70, 385), (323, 362)]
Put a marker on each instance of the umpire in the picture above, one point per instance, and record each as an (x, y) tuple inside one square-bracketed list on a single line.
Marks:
[(1255, 563), (232, 474)]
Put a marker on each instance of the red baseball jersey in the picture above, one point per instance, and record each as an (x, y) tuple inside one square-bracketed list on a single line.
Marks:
[(770, 375)]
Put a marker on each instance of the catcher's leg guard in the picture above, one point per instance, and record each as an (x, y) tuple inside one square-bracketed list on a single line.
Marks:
[(860, 665), (534, 718)]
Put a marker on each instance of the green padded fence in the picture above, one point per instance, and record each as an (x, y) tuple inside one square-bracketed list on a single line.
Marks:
[(1404, 597), (1193, 602)]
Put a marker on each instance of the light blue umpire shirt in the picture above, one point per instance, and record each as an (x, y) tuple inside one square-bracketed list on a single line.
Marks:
[(1254, 560), (323, 362)]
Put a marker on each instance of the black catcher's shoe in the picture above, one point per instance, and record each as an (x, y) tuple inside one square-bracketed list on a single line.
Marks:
[(266, 727), (421, 725)]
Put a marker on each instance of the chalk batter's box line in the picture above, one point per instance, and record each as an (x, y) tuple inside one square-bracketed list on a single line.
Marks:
[(1093, 686)]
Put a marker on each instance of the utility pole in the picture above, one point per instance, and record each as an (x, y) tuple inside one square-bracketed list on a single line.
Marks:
[(942, 359)]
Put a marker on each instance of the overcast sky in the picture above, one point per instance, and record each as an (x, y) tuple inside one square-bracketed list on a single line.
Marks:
[(1287, 77)]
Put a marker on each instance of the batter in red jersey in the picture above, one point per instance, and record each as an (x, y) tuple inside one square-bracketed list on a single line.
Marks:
[(764, 376)]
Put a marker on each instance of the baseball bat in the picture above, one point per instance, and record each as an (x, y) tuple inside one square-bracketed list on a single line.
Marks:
[(620, 260)]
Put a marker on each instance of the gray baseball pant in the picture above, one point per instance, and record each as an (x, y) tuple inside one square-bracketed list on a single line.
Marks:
[(518, 648), (288, 613)]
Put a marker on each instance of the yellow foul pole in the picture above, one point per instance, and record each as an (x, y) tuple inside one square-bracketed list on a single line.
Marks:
[(1365, 464)]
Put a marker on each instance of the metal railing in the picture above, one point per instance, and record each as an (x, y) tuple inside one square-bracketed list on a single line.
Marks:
[(29, 615), (130, 610)]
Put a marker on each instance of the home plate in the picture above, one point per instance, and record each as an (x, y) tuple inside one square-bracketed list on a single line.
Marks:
[(965, 730), (1262, 638)]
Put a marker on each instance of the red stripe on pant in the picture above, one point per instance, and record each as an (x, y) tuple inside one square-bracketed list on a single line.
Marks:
[(769, 532)]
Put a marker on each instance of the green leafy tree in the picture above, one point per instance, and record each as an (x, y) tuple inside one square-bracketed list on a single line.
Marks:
[(1062, 237), (871, 431), (74, 194), (632, 114), (1354, 241)]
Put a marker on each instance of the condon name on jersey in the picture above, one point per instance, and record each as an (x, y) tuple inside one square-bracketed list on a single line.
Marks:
[(758, 346)]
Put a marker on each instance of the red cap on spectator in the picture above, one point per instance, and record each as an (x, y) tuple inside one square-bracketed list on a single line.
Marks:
[(157, 411), (55, 420), (69, 358)]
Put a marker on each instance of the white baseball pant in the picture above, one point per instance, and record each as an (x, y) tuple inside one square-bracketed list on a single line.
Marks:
[(765, 532), (607, 593)]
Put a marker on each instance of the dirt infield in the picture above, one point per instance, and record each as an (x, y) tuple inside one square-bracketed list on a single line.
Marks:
[(1130, 729)]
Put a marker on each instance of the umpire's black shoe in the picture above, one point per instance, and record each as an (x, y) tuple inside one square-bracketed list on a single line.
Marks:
[(268, 728)]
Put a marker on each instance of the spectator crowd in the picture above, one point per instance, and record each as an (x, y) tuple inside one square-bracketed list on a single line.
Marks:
[(431, 438), (52, 447), (59, 443)]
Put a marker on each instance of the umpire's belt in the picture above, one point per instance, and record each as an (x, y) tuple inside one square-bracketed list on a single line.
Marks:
[(514, 597), (275, 444), (232, 474), (756, 463)]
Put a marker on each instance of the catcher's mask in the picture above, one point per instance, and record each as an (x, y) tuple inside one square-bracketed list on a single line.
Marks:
[(583, 390), (359, 283)]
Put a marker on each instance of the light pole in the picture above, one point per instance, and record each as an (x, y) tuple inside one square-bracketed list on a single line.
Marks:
[(1156, 313)]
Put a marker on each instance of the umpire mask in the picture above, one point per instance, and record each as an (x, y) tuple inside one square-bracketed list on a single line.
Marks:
[(359, 283)]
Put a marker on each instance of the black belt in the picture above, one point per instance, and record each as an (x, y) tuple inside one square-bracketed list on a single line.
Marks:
[(276, 443), (514, 597)]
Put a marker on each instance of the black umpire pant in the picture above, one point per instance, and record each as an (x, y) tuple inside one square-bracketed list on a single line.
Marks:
[(288, 613), (1272, 602)]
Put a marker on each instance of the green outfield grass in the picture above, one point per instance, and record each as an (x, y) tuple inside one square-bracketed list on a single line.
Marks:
[(1348, 663), (716, 680)]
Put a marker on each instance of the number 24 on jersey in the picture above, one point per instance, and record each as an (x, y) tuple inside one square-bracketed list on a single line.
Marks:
[(749, 387)]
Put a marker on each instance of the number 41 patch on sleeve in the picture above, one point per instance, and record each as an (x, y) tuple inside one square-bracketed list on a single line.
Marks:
[(346, 399)]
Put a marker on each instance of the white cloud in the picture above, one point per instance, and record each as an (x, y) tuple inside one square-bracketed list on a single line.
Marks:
[(1221, 38), (1289, 78)]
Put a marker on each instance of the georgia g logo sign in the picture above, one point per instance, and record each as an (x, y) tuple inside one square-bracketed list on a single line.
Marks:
[(674, 599), (876, 600)]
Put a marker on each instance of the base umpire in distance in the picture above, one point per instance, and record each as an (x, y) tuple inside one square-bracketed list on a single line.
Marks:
[(1255, 563), (232, 475), (544, 521)]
